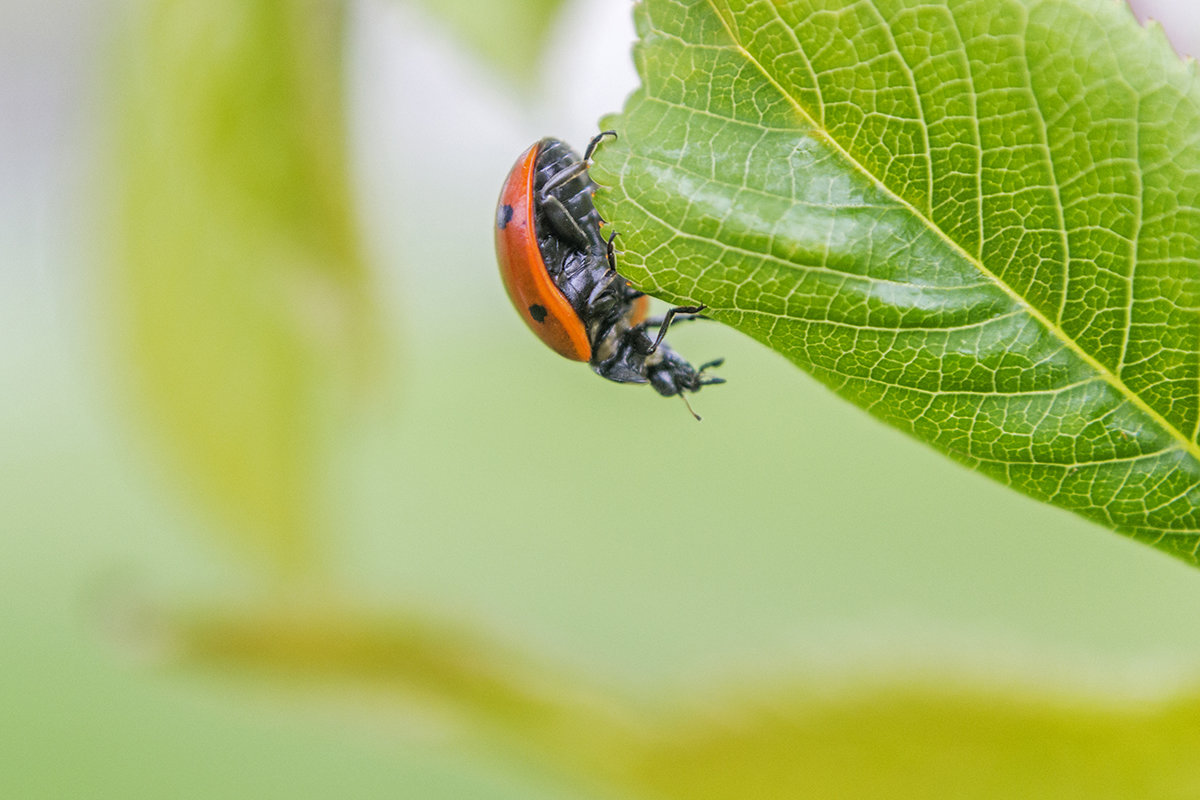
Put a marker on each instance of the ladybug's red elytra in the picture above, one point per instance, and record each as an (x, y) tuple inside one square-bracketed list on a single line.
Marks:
[(561, 275)]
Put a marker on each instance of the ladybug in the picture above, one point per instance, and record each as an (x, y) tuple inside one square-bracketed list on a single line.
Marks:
[(561, 274)]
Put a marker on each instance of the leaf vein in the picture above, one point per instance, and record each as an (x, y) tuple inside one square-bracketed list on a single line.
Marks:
[(1189, 445)]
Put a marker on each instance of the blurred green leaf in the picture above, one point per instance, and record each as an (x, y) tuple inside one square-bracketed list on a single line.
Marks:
[(239, 285), (487, 692), (978, 220), (929, 741), (896, 739), (510, 34)]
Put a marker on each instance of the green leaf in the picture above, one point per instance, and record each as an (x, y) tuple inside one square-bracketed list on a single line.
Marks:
[(978, 220), (238, 283)]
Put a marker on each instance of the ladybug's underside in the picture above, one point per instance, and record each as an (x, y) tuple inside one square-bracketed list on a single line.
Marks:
[(579, 261), (561, 275)]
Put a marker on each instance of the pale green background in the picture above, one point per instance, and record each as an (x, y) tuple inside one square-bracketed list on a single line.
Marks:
[(493, 484)]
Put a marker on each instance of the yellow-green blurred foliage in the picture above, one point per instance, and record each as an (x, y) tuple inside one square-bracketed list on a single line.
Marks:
[(239, 286)]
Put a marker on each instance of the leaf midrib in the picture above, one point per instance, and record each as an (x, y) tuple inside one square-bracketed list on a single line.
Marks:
[(1191, 447)]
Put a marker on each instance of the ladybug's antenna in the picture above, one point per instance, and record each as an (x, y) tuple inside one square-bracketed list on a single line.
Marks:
[(683, 397)]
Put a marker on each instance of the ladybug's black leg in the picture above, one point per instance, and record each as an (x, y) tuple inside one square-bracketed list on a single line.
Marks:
[(657, 322), (610, 252), (573, 171), (666, 322), (601, 286), (563, 222), (609, 275), (591, 148), (576, 169), (703, 381)]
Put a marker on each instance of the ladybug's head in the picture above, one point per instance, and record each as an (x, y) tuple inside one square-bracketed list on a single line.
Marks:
[(630, 355), (672, 374)]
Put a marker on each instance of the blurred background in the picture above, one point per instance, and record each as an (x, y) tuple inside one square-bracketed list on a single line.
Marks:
[(293, 504)]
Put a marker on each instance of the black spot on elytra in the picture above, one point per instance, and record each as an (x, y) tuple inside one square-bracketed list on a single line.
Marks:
[(537, 312), (503, 216)]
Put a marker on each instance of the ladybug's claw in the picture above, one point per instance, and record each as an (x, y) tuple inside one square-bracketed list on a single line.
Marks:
[(611, 252), (666, 322), (575, 170), (711, 380), (656, 322), (591, 148)]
